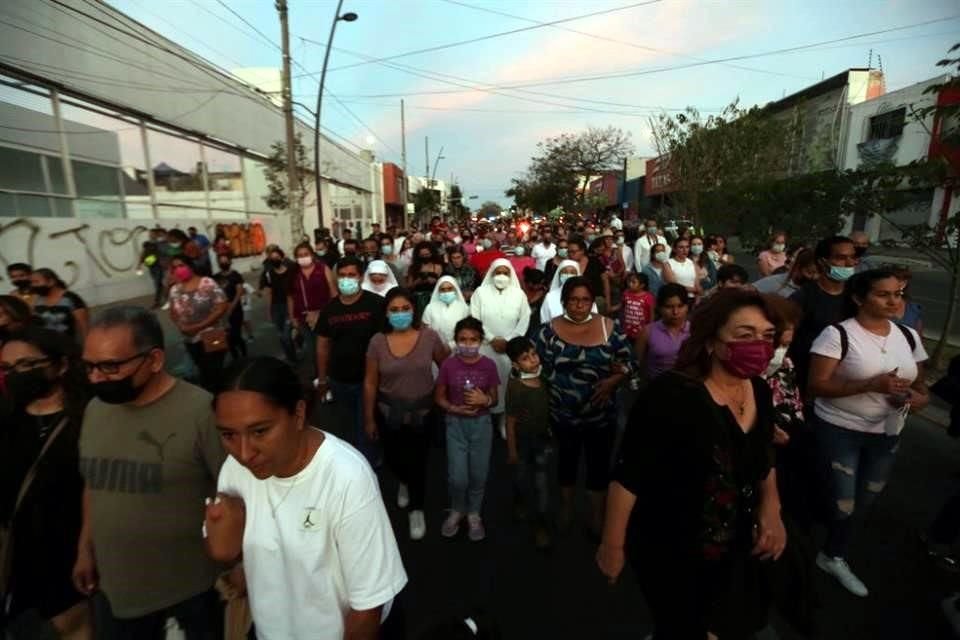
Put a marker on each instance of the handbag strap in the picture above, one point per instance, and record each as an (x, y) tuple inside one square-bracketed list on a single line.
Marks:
[(32, 472)]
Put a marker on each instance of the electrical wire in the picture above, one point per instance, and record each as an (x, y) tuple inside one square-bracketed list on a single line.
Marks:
[(617, 41), (497, 35), (642, 72)]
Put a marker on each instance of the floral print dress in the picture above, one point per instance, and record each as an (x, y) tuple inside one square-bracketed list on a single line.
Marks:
[(193, 306)]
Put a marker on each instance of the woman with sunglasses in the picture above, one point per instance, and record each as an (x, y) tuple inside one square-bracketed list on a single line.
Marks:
[(40, 481)]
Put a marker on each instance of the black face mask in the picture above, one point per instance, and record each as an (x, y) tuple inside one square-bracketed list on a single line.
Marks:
[(26, 386), (119, 391), (22, 285), (225, 266), (349, 252), (273, 262), (41, 290), (860, 251)]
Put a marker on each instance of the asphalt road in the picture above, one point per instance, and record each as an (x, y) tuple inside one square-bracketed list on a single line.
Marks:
[(562, 595)]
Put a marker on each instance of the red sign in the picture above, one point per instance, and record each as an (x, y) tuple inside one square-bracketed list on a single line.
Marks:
[(658, 179)]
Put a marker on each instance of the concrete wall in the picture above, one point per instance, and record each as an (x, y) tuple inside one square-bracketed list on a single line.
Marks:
[(98, 257)]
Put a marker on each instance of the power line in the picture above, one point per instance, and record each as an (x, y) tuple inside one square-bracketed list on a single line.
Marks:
[(244, 21), (642, 72), (495, 35), (617, 41)]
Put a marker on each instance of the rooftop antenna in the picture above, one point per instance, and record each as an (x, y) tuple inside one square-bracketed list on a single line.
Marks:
[(870, 59), (880, 62)]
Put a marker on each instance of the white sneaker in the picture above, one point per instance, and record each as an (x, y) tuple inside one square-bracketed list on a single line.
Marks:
[(839, 569), (418, 525), (502, 426), (403, 496), (166, 306)]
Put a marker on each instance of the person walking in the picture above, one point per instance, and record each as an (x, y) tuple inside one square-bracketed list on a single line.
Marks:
[(40, 482), (303, 510), (693, 504), (149, 455), (57, 307), (398, 399), (552, 303), (682, 269), (197, 309), (501, 306), (585, 357), (231, 282), (276, 279), (656, 267), (866, 373), (645, 247), (447, 307), (659, 343), (343, 332), (774, 257), (467, 389), (312, 287), (378, 278)]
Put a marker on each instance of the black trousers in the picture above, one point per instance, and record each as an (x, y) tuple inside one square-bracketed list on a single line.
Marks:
[(238, 346), (200, 618), (405, 452), (210, 365)]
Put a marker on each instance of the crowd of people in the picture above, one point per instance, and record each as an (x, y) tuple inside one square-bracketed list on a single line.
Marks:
[(568, 341)]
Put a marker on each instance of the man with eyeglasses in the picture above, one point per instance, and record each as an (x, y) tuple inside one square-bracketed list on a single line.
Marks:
[(150, 455)]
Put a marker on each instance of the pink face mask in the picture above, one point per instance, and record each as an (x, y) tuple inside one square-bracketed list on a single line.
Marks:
[(182, 273), (748, 358)]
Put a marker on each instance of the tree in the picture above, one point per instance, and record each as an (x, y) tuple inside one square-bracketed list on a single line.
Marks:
[(275, 173), (489, 209), (559, 175), (737, 151), (426, 201)]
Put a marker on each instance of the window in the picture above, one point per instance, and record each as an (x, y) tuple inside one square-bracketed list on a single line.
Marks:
[(177, 171), (224, 180), (22, 171), (887, 125)]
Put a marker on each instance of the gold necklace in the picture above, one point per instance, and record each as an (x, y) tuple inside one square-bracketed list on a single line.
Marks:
[(741, 402)]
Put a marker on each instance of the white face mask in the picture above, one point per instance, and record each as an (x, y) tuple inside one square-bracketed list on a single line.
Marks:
[(776, 361), (501, 281), (305, 261), (584, 321), (533, 374), (660, 256)]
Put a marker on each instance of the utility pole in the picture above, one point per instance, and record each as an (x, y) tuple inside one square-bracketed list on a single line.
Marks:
[(296, 217), (403, 139), (426, 155)]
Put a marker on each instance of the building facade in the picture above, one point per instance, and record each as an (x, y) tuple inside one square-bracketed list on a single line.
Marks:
[(108, 129)]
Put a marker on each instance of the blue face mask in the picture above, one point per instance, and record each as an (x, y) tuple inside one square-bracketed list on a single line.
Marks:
[(519, 251), (447, 297), (840, 274), (487, 243), (386, 250), (400, 320), (564, 277), (652, 231), (348, 286), (468, 351), (562, 252)]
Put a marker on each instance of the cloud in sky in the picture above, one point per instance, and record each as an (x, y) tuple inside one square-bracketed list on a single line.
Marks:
[(489, 138)]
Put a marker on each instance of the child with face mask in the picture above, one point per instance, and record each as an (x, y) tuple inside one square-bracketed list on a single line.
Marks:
[(529, 441), (466, 390)]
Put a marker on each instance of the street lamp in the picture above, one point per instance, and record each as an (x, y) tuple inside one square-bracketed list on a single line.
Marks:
[(346, 17)]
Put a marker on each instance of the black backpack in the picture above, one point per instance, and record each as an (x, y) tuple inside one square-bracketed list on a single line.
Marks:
[(845, 340)]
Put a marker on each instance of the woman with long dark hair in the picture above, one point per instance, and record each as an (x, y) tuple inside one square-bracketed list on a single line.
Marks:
[(40, 483), (866, 373), (398, 398), (197, 308), (693, 504), (57, 307)]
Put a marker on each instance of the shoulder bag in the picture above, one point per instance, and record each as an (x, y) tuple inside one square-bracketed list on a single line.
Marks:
[(6, 531)]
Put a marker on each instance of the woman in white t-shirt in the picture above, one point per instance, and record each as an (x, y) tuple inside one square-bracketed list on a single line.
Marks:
[(304, 510), (866, 373), (682, 269)]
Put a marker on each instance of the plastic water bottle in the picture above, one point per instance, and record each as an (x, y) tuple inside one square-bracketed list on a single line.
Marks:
[(468, 385)]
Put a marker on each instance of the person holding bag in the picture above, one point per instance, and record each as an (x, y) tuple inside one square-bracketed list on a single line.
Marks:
[(40, 484), (313, 286), (197, 308)]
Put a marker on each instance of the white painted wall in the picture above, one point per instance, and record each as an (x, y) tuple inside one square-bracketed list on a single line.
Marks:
[(98, 257)]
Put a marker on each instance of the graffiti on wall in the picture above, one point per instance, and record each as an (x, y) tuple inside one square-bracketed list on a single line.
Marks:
[(108, 252)]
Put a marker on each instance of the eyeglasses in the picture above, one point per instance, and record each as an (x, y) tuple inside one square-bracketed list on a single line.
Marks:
[(111, 367), (23, 364)]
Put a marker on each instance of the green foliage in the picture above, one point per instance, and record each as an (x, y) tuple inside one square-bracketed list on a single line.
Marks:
[(553, 177), (275, 173), (489, 209), (426, 200)]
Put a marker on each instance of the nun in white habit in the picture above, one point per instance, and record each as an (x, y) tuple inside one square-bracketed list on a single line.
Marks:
[(552, 305), (447, 307), (379, 278), (501, 305)]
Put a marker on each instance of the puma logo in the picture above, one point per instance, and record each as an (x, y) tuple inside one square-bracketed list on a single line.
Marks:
[(148, 438)]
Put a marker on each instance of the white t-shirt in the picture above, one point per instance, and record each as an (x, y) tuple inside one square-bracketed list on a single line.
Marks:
[(542, 253), (329, 549), (685, 272), (865, 359)]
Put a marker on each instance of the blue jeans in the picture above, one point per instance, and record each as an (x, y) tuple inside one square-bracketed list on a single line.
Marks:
[(857, 465), (350, 395), (468, 460), (278, 316), (534, 453)]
